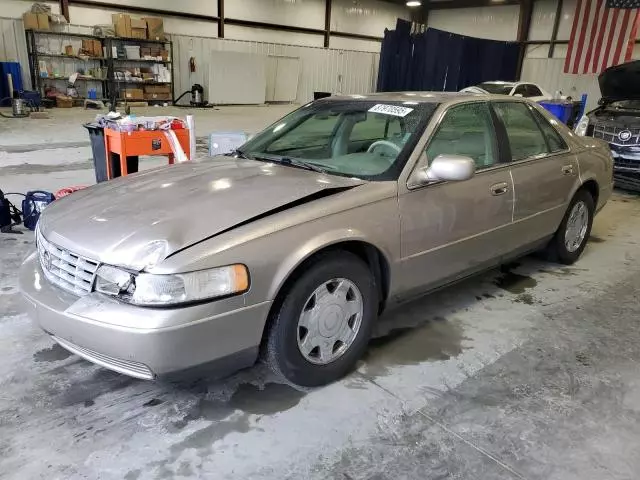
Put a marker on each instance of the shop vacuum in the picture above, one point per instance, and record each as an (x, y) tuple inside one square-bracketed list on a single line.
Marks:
[(33, 204), (197, 97)]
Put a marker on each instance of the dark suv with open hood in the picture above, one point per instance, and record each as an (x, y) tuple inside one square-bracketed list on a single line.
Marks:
[(617, 121)]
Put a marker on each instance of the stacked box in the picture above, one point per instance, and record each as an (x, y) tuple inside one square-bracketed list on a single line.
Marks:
[(138, 28), (122, 24), (155, 28)]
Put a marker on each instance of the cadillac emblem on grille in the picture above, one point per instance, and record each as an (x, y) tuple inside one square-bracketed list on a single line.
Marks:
[(46, 260), (624, 135)]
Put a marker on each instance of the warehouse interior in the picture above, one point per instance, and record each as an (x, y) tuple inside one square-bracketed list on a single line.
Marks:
[(523, 370)]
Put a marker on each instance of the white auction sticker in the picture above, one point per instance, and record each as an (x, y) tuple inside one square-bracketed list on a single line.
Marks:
[(391, 110)]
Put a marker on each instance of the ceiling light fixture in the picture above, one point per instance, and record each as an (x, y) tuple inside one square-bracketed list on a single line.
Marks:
[(414, 3)]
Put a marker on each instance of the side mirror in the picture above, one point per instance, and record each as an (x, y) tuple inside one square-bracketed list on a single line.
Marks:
[(448, 168)]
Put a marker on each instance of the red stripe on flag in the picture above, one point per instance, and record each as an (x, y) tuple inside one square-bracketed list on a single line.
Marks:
[(632, 38), (612, 32), (574, 28), (592, 36), (622, 38), (583, 32), (603, 28)]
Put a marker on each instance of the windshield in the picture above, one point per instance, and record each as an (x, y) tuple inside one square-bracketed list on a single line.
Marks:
[(496, 88), (365, 139)]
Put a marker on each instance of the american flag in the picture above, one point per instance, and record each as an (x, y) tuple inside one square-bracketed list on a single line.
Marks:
[(603, 34)]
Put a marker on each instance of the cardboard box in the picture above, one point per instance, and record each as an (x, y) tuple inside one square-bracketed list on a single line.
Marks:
[(138, 28), (155, 28), (122, 24), (43, 21), (97, 48), (133, 94), (157, 96), (68, 50), (87, 46), (62, 101), (30, 21), (145, 51), (159, 89), (164, 54)]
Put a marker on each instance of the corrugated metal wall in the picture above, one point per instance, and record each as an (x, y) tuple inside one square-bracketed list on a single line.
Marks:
[(337, 71), (547, 72), (330, 70), (13, 47)]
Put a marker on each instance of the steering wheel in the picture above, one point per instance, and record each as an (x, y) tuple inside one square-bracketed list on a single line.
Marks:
[(386, 143)]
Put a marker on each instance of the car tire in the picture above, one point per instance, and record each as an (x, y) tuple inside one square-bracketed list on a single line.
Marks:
[(309, 312), (561, 249)]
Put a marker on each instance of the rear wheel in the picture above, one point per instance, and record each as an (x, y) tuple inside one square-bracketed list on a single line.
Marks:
[(322, 326), (573, 234)]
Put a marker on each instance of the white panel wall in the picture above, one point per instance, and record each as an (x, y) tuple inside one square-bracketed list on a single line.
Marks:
[(566, 19), (94, 16), (272, 36), (366, 17), (496, 23), (321, 69), (354, 44), (202, 7), (13, 47), (547, 72), (544, 14), (15, 8), (298, 13)]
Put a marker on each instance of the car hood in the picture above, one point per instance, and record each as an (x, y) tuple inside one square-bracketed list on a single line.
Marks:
[(621, 82), (176, 206)]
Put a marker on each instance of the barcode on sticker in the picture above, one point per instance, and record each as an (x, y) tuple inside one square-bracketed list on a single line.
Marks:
[(391, 110)]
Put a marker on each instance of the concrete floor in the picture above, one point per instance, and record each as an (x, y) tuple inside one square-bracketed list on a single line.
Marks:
[(529, 372)]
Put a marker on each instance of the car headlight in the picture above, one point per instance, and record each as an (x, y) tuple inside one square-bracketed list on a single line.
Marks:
[(148, 289), (583, 125)]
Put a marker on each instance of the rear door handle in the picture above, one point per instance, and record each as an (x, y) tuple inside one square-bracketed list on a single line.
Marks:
[(567, 170), (499, 188)]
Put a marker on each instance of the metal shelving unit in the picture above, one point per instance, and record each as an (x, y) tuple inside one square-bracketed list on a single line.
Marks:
[(111, 86), (38, 81), (115, 84)]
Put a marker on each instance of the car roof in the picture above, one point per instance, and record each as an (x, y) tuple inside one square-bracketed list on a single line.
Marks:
[(500, 82), (419, 97)]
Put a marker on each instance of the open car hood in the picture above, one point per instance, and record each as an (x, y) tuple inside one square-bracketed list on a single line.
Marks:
[(621, 82)]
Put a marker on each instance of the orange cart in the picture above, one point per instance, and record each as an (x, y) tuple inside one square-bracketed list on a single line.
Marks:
[(138, 143)]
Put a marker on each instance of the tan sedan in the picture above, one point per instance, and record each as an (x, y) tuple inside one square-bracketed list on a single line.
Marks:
[(291, 246)]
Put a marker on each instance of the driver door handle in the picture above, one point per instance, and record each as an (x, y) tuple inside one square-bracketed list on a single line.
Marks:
[(499, 188)]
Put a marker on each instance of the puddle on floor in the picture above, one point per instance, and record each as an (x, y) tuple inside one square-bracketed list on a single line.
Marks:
[(514, 282), (440, 339), (54, 353)]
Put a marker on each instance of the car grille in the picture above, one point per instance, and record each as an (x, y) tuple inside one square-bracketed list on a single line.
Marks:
[(611, 134), (128, 367), (65, 269)]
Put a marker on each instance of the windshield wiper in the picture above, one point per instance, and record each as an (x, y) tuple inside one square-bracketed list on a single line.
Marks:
[(301, 164), (288, 161), (240, 154)]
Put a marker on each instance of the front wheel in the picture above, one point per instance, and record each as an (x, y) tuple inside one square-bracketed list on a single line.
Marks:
[(323, 324), (573, 234)]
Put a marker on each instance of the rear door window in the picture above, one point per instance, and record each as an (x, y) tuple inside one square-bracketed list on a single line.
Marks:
[(554, 140), (526, 140)]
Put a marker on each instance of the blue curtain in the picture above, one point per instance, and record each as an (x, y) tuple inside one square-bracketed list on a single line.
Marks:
[(436, 60)]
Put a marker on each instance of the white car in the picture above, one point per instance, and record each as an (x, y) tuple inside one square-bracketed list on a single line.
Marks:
[(514, 89)]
